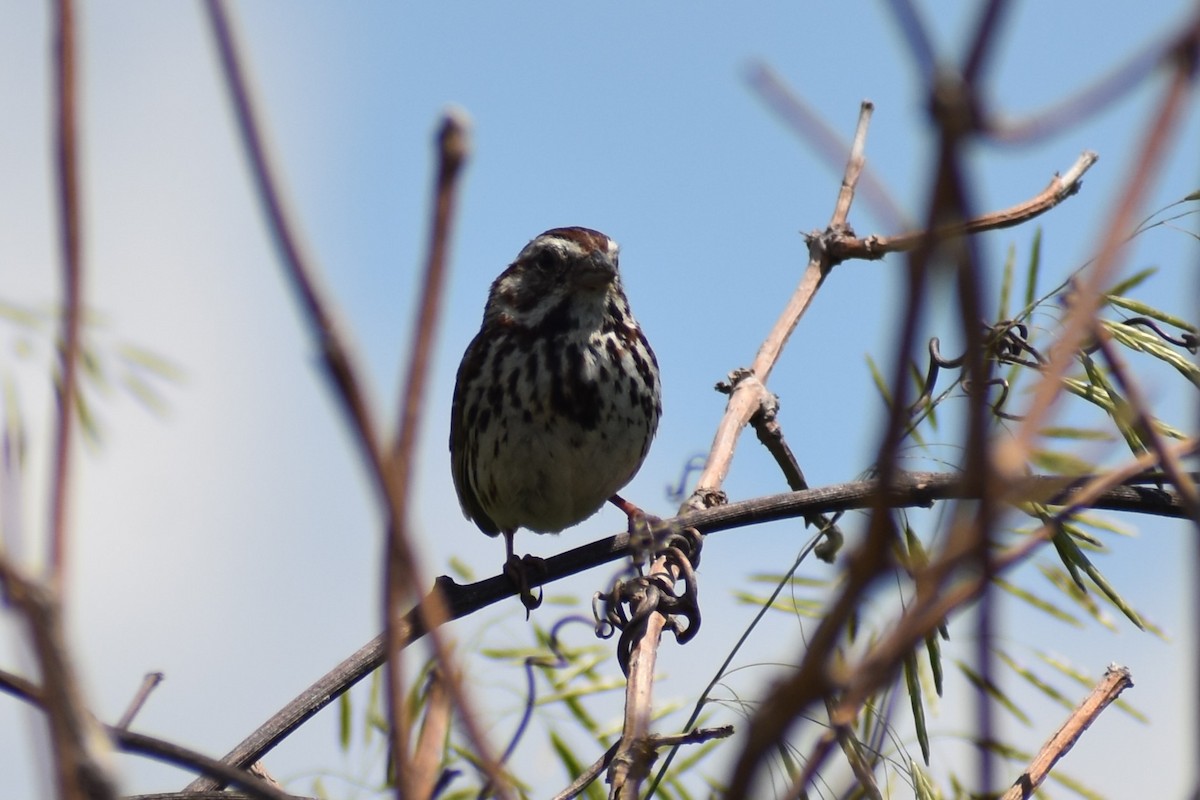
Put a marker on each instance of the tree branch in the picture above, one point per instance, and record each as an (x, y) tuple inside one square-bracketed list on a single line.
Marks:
[(1116, 680), (843, 247), (915, 489)]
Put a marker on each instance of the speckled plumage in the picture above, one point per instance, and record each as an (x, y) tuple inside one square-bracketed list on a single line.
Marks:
[(558, 396)]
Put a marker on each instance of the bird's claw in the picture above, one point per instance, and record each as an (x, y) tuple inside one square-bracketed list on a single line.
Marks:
[(520, 570)]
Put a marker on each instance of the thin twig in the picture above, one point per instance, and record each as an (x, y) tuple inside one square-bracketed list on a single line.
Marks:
[(336, 355), (673, 740), (843, 247), (431, 742), (149, 682), (80, 748), (1100, 95), (749, 393), (70, 235), (401, 570), (1116, 680), (824, 140)]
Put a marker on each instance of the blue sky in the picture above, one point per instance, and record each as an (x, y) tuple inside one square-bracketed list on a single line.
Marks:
[(231, 544)]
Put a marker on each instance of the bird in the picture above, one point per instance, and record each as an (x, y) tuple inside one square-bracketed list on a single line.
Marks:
[(557, 398)]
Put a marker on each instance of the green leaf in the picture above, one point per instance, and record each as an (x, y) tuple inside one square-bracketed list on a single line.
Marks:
[(1142, 341), (1136, 279), (923, 786), (1060, 777), (1060, 463), (1122, 413), (789, 605), (345, 718), (571, 764), (880, 384), (1035, 265), (1086, 434), (933, 648), (1006, 279), (1039, 603), (1141, 309), (1035, 681), (913, 684), (993, 691)]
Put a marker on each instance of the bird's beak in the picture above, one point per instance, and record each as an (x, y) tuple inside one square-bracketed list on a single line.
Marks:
[(597, 271)]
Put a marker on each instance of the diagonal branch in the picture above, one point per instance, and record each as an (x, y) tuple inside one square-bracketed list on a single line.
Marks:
[(1116, 680)]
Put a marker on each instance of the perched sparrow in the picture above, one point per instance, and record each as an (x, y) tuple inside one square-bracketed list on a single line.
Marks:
[(557, 397)]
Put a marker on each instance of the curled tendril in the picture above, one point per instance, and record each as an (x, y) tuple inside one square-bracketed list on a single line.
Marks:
[(645, 594), (558, 661), (677, 493), (1187, 340)]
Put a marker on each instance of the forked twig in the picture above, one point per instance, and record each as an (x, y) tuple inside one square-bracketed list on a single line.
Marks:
[(843, 247)]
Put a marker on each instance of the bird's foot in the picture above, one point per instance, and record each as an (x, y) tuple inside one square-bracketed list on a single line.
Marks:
[(644, 529), (526, 572)]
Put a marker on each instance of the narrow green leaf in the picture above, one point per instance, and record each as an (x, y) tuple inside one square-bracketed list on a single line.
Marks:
[(933, 649), (795, 580), (1083, 539), (913, 685), (1059, 463), (1006, 281), (1087, 434), (923, 786), (1035, 265), (788, 605), (1136, 279), (1122, 413), (150, 362), (1141, 309), (993, 691), (1075, 589), (345, 717), (1039, 603), (1062, 778), (880, 384), (1102, 523), (1144, 342), (144, 393)]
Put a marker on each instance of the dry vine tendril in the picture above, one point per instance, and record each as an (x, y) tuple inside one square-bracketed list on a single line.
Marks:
[(647, 594)]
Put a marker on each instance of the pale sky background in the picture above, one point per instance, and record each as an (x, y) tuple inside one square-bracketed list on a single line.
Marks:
[(230, 542)]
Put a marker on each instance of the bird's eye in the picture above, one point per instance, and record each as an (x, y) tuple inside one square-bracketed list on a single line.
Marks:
[(544, 261)]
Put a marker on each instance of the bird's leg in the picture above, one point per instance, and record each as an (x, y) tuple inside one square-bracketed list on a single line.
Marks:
[(641, 528), (518, 569)]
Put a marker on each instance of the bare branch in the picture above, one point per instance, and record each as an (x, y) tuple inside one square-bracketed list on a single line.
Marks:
[(914, 489), (843, 247), (149, 682), (336, 353), (749, 391), (70, 235), (402, 573), (1116, 680)]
